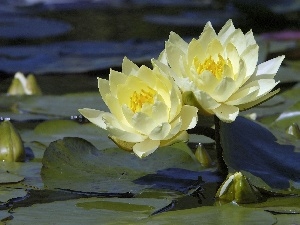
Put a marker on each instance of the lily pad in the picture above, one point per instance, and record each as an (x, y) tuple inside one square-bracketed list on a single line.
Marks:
[(75, 164), (6, 178), (226, 214), (89, 211), (29, 170), (13, 26), (258, 153), (75, 56), (9, 193)]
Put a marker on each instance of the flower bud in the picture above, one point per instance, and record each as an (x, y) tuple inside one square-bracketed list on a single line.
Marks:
[(11, 145), (237, 188), (294, 130), (202, 156), (24, 86)]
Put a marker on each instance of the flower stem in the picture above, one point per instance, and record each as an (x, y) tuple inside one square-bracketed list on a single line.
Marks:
[(222, 167)]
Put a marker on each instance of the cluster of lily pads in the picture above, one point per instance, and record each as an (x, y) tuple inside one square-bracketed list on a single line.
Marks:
[(155, 109)]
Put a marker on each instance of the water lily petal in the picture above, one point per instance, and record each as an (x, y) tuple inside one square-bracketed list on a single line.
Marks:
[(250, 56), (195, 50), (259, 100), (115, 79), (250, 38), (143, 123), (205, 100), (181, 136), (237, 38), (270, 67), (234, 57), (208, 34), (104, 88), (128, 67), (94, 116), (160, 132), (243, 95), (226, 113), (226, 31), (189, 117), (124, 135), (173, 54), (146, 147), (224, 90), (178, 41)]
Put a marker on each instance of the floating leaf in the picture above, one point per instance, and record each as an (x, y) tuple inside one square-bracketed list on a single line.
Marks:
[(74, 56), (226, 214), (6, 177), (74, 163), (9, 193), (251, 147), (89, 211), (16, 26)]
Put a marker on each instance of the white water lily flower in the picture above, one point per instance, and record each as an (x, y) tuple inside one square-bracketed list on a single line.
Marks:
[(218, 73), (146, 109)]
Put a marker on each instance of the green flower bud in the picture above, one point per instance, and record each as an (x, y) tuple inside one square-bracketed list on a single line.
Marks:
[(294, 130), (24, 86), (237, 188), (11, 145), (202, 156)]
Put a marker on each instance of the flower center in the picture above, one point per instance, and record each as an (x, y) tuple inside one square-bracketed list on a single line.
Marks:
[(215, 67), (137, 100)]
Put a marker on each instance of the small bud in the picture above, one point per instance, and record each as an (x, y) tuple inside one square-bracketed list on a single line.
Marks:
[(11, 145), (24, 86), (202, 156), (237, 188), (294, 130)]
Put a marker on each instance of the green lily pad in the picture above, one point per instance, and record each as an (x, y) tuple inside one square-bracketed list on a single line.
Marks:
[(46, 132), (74, 163), (49, 106), (4, 215), (226, 214), (288, 117), (9, 193), (259, 153), (61, 106), (89, 211), (29, 170), (6, 178)]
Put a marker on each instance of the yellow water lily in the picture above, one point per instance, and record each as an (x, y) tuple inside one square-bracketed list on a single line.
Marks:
[(146, 109), (218, 73)]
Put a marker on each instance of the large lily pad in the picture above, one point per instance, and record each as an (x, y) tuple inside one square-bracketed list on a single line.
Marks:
[(257, 152), (226, 214), (74, 163), (89, 211)]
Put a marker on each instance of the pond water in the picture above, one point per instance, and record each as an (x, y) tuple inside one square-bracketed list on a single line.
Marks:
[(67, 44)]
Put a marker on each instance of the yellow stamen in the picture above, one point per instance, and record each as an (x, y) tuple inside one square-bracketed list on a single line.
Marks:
[(137, 100), (215, 67)]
